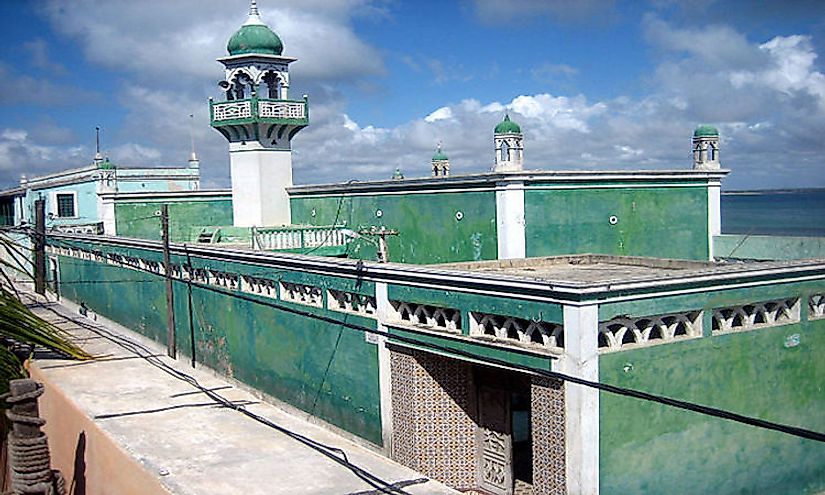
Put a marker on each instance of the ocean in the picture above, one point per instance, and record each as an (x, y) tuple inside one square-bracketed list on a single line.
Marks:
[(786, 213)]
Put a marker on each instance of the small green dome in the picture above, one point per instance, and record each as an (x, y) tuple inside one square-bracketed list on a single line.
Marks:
[(705, 130), (439, 155), (507, 126), (254, 38), (105, 164)]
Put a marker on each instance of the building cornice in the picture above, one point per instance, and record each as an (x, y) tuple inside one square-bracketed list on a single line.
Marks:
[(581, 178), (166, 195)]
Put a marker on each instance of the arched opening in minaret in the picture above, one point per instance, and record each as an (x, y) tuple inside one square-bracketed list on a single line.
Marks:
[(242, 85), (711, 151), (505, 151), (273, 85)]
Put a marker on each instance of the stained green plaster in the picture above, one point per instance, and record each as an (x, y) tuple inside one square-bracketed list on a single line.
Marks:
[(572, 221), (457, 347), (468, 302), (429, 231), (321, 368), (140, 219), (647, 448), (708, 300)]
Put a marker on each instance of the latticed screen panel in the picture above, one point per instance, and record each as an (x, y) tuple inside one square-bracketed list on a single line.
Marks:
[(426, 316), (816, 306), (755, 315), (510, 329), (622, 333)]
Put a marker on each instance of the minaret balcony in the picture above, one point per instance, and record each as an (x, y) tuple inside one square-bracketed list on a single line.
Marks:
[(259, 110)]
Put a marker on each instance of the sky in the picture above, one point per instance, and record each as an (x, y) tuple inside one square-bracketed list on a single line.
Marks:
[(594, 84)]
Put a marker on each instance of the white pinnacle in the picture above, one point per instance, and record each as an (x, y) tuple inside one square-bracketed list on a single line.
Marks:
[(254, 15)]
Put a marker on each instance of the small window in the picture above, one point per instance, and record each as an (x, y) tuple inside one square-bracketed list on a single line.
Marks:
[(65, 205)]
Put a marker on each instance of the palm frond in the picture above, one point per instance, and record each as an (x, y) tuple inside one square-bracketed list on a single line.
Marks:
[(19, 324)]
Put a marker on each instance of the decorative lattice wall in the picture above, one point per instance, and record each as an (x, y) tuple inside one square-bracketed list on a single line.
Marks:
[(547, 405), (433, 416)]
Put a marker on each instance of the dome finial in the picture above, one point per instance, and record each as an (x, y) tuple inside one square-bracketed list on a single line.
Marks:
[(254, 15)]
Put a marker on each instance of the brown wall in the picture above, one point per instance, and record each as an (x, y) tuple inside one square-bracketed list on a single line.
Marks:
[(91, 461)]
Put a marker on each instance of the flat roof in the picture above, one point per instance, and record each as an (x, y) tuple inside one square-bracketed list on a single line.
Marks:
[(588, 268)]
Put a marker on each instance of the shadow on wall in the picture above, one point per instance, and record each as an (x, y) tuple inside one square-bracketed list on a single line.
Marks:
[(78, 486)]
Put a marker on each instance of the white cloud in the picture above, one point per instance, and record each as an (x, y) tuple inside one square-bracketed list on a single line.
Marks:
[(178, 41), (440, 114)]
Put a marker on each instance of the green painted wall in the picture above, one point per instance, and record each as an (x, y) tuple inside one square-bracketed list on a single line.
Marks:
[(762, 247), (428, 229), (651, 449), (322, 368), (139, 219), (663, 222)]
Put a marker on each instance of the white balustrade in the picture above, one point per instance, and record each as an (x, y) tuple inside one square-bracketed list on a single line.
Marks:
[(281, 110), (232, 110)]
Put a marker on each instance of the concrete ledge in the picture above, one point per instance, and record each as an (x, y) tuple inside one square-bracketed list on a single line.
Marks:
[(768, 247), (120, 424)]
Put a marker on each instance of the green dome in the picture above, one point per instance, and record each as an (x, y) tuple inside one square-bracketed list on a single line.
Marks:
[(705, 130), (106, 164), (507, 126), (254, 38), (439, 155)]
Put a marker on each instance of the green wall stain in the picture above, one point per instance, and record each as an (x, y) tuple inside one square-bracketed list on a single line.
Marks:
[(647, 448), (429, 231), (574, 221), (321, 368), (139, 219)]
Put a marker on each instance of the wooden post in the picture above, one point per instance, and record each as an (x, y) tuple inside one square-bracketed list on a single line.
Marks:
[(40, 246), (171, 345)]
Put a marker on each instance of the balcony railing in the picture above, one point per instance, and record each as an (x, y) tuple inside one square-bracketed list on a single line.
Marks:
[(259, 109), (299, 238)]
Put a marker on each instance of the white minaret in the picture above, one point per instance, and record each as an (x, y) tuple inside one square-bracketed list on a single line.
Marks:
[(440, 163), (706, 148), (509, 143), (259, 121)]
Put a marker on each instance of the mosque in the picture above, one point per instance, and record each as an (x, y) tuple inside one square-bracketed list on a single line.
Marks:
[(485, 285)]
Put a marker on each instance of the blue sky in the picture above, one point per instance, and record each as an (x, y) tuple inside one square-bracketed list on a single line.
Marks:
[(595, 84)]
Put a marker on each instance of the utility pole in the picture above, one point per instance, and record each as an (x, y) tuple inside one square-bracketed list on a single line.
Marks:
[(382, 233), (171, 345), (40, 246)]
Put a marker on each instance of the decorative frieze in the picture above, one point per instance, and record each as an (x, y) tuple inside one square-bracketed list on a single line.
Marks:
[(223, 279), (510, 329), (816, 306), (302, 294), (259, 286), (424, 315), (622, 332), (755, 315), (350, 302)]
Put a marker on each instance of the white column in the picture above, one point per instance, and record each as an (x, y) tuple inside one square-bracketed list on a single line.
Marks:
[(382, 308), (714, 213), (260, 177), (510, 220), (581, 404), (106, 214)]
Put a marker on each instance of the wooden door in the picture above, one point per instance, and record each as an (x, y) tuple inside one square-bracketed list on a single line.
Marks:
[(494, 442)]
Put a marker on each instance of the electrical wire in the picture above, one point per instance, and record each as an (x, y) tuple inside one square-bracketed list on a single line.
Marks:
[(622, 391), (334, 453)]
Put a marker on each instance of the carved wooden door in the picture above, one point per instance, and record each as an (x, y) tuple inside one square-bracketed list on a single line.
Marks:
[(494, 441)]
